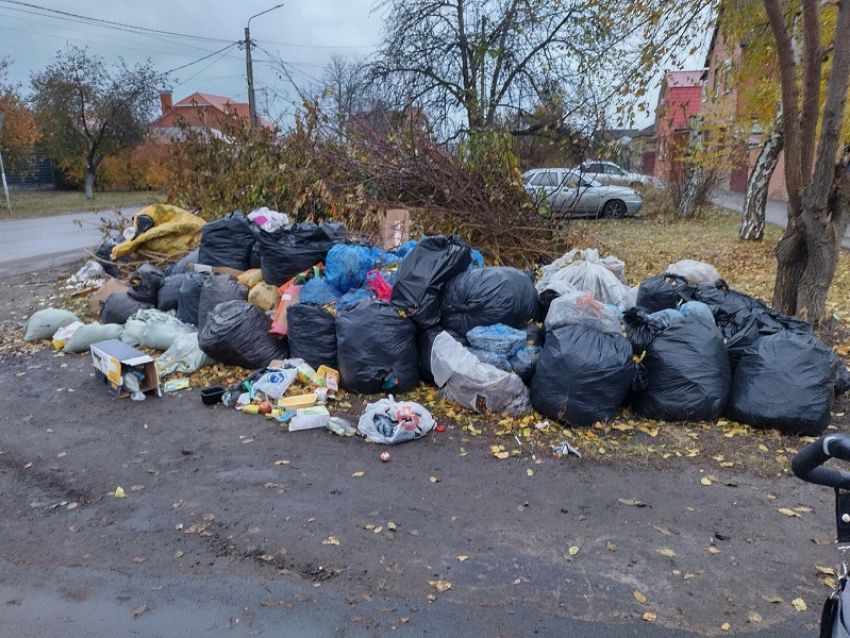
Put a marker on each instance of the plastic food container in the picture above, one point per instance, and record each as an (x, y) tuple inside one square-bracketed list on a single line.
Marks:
[(212, 394)]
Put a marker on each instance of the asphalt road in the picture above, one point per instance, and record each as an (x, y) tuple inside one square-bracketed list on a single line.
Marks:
[(37, 243)]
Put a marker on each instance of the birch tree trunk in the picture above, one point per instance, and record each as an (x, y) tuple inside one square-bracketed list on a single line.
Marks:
[(755, 200)]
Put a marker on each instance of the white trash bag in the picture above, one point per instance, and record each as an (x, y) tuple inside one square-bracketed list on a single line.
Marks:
[(390, 421)]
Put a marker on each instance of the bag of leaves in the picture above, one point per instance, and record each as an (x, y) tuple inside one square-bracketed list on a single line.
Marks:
[(784, 381), (376, 349), (423, 272), (487, 296), (218, 289), (289, 251), (236, 333), (312, 334), (685, 366), (660, 292), (582, 375), (227, 242), (145, 283)]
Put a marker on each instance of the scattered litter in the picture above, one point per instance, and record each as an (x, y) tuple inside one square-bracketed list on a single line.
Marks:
[(565, 449)]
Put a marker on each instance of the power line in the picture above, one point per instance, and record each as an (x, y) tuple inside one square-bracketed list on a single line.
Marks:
[(111, 24)]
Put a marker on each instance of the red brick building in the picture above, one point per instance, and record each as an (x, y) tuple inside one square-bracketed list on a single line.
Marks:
[(678, 101), (200, 109)]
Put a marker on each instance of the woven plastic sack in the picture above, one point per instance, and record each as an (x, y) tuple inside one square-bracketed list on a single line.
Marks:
[(44, 323)]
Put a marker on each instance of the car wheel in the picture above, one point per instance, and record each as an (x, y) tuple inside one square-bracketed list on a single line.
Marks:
[(614, 209)]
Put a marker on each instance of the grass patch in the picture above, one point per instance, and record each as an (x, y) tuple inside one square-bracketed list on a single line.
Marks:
[(27, 204)]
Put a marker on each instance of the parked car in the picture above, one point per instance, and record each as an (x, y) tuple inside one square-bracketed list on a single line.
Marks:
[(568, 192), (609, 173)]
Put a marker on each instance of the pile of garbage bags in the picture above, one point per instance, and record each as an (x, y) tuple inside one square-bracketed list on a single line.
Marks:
[(574, 342)]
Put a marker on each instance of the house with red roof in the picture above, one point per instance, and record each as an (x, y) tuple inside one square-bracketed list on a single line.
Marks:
[(679, 100), (200, 110)]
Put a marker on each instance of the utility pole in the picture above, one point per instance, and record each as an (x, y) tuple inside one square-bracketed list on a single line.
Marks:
[(252, 103)]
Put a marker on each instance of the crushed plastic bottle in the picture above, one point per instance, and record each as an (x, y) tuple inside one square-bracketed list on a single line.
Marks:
[(340, 426)]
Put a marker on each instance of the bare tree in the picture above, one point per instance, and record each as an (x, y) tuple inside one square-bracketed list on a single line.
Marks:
[(87, 112), (347, 90), (818, 186)]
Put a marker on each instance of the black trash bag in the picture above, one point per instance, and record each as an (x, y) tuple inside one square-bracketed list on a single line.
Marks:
[(142, 223), (119, 307), (145, 283), (228, 242), (376, 349), (185, 264), (660, 292), (190, 297), (168, 296), (739, 338), (535, 334), (582, 375), (103, 254), (289, 251), (424, 343), (217, 289), (842, 376), (686, 367), (312, 334), (524, 362), (784, 381), (237, 333), (487, 296), (423, 272)]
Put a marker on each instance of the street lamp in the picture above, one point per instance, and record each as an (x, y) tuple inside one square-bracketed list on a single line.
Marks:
[(252, 105)]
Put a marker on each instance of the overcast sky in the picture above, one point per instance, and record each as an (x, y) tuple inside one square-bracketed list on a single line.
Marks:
[(304, 34), (192, 35)]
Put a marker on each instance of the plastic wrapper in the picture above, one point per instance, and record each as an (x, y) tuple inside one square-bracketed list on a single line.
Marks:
[(184, 355), (488, 296), (389, 421), (120, 306), (660, 292), (285, 253), (218, 289), (685, 371), (44, 323), (145, 283), (237, 333), (592, 277), (423, 272), (274, 383), (784, 382), (582, 376), (227, 242), (376, 349), (312, 334), (464, 379)]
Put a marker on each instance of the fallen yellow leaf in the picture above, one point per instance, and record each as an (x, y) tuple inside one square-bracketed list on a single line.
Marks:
[(440, 585), (529, 472), (639, 597), (799, 604), (705, 480), (754, 616), (461, 559), (650, 616), (786, 511), (666, 552), (119, 492), (573, 550), (331, 540), (281, 462), (726, 626), (358, 474)]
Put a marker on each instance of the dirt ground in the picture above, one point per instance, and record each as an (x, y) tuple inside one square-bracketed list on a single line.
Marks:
[(233, 526)]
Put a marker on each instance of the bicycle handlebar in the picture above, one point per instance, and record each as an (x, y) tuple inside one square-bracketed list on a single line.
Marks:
[(807, 464)]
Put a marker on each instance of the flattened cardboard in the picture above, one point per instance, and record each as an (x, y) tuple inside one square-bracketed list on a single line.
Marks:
[(395, 229), (99, 296)]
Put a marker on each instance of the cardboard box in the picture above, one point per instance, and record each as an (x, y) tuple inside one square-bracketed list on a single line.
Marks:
[(395, 230), (99, 296), (113, 359)]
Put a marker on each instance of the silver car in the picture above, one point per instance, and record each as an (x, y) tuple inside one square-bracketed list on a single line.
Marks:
[(609, 173), (566, 191)]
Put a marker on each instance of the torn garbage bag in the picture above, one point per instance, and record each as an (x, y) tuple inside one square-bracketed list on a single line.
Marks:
[(487, 296), (784, 381), (464, 379), (389, 421), (376, 349), (423, 272), (237, 333), (583, 375)]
